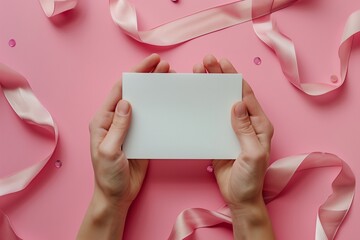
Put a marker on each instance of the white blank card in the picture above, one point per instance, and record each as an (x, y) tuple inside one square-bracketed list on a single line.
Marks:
[(181, 116)]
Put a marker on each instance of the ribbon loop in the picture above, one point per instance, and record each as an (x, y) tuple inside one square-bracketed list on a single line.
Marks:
[(55, 7), (330, 214), (25, 104)]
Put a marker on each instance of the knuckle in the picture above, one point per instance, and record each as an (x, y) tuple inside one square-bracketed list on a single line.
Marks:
[(262, 155), (120, 123), (101, 120), (122, 156), (266, 127), (256, 156), (247, 90), (119, 126), (271, 129), (106, 153), (244, 126), (91, 125)]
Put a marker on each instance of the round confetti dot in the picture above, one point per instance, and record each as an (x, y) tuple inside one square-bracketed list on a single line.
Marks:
[(210, 169), (257, 60), (334, 78), (58, 164), (12, 43)]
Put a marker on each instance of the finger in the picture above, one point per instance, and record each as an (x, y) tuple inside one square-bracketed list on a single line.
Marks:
[(252, 103), (115, 136), (98, 128), (264, 130), (162, 67), (113, 98), (260, 121), (211, 64), (103, 118), (148, 64), (172, 71), (243, 128), (199, 68), (226, 66)]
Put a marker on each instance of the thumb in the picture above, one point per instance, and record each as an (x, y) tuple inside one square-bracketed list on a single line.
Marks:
[(121, 121), (243, 128)]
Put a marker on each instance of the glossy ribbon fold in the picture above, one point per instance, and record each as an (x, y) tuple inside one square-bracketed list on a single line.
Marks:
[(284, 48), (54, 7), (189, 27), (25, 104), (217, 18), (279, 174), (330, 214)]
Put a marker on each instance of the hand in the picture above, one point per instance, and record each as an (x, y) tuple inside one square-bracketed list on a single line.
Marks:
[(241, 181), (117, 179)]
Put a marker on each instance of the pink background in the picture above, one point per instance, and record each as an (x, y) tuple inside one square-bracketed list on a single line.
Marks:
[(71, 62)]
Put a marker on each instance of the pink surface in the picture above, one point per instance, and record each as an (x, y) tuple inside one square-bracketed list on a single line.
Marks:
[(72, 60)]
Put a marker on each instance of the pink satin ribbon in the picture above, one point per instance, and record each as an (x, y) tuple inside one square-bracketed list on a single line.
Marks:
[(217, 18), (330, 214), (279, 174), (284, 48), (334, 210), (23, 101), (189, 27), (54, 7)]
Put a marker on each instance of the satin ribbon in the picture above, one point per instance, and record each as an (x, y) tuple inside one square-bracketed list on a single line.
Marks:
[(25, 104), (189, 27), (330, 214), (54, 7), (217, 18), (279, 174), (284, 48), (333, 211)]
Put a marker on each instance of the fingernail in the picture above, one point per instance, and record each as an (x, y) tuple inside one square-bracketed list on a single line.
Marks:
[(240, 110), (123, 108)]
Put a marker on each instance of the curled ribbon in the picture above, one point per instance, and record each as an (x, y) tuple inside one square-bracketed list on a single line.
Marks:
[(330, 214), (186, 28), (54, 7), (279, 174), (25, 104), (215, 19), (284, 48)]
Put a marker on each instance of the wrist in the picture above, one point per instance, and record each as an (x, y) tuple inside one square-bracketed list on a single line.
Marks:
[(104, 219), (108, 205), (253, 213), (111, 201), (251, 221)]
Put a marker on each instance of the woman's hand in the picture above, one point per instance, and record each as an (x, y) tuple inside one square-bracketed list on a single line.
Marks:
[(241, 181), (117, 179)]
